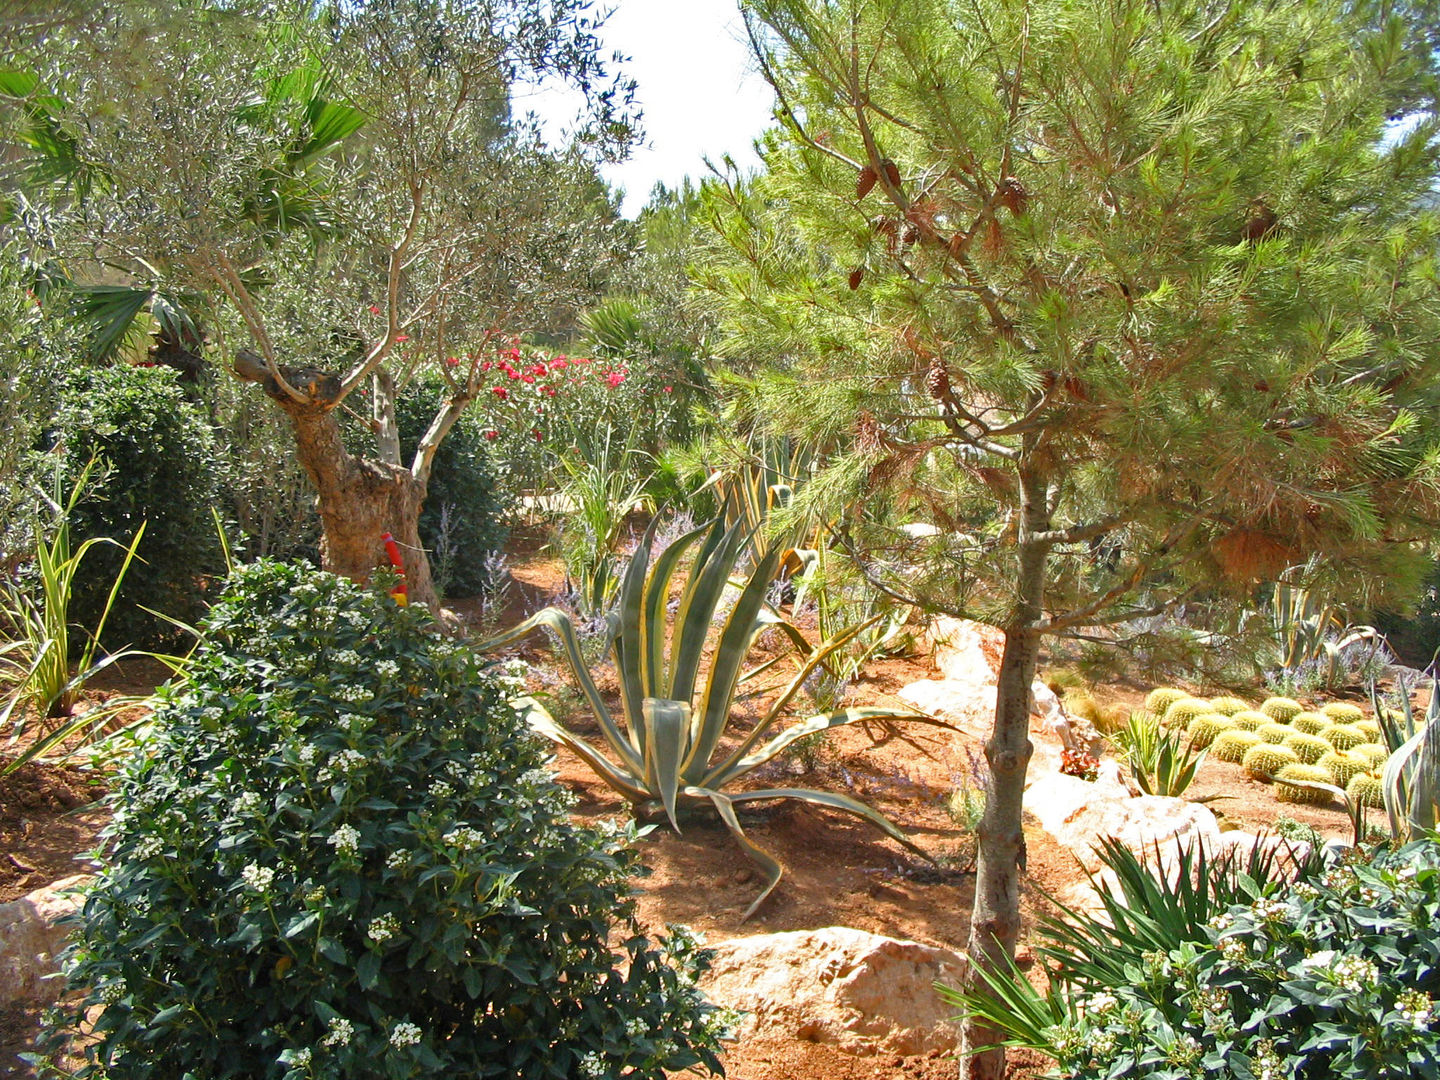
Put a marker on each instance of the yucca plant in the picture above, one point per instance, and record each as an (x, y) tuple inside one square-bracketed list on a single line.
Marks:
[(1162, 761), (663, 751), (1310, 630), (1410, 781), (44, 685)]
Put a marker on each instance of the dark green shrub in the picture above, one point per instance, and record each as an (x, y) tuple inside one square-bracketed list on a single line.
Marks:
[(1333, 978), (342, 857), (162, 467), (467, 505)]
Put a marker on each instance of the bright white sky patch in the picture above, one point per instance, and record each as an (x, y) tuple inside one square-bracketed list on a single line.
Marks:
[(698, 87)]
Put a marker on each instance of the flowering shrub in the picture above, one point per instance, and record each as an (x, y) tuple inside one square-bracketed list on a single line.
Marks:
[(1334, 977), (343, 858), (1079, 763)]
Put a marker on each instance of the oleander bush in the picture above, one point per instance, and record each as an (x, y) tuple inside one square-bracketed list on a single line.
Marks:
[(342, 857), (1332, 978)]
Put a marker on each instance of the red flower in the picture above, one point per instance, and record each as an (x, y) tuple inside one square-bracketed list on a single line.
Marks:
[(614, 379), (559, 364), (549, 391), (492, 435), (511, 354), (669, 389), (511, 373), (536, 433), (374, 310), (527, 378), (401, 337), (452, 361), (485, 366), (500, 392), (539, 369)]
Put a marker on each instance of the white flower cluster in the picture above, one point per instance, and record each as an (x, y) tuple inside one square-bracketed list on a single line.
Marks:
[(149, 848), (1353, 973), (355, 695), (346, 657), (464, 838), (512, 676), (357, 618), (636, 1028), (398, 860), (1096, 1004), (345, 840), (439, 789), (341, 1032), (306, 589), (1415, 1009), (346, 761), (1267, 910), (301, 1058), (248, 803), (306, 754), (404, 1034), (387, 669), (352, 722), (1235, 950), (257, 877), (383, 927), (112, 992), (591, 1065)]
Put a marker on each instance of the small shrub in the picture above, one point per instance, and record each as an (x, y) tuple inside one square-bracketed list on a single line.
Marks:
[(1264, 761), (1287, 828), (343, 858), (162, 469), (1281, 709), (1079, 763)]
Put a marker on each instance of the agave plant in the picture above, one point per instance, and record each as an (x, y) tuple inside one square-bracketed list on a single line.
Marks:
[(1410, 783), (1162, 761), (663, 751)]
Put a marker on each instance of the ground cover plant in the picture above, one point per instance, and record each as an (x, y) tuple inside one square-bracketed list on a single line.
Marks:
[(341, 856)]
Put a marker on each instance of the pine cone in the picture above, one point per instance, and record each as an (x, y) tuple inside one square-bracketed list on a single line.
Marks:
[(856, 276), (892, 172), (937, 380), (864, 182), (867, 433)]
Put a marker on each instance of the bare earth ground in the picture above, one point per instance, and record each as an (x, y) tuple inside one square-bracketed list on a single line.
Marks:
[(838, 870)]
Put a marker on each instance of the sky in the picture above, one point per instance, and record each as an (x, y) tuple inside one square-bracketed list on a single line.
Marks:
[(700, 92)]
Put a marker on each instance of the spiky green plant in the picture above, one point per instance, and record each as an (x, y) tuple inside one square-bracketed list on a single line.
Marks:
[(1311, 723), (1308, 748), (1343, 712), (665, 746), (1274, 733), (1264, 761), (1367, 789), (1162, 760), (1373, 752), (1343, 736), (1343, 767), (1228, 706), (1162, 697), (1411, 777), (1250, 720), (1231, 745), (1281, 709), (1302, 792), (1180, 713), (1203, 729)]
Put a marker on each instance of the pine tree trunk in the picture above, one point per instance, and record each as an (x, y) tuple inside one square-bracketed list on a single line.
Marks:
[(995, 917), (360, 500)]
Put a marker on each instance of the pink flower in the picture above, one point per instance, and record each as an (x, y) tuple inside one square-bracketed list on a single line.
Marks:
[(527, 378), (511, 373), (559, 364), (402, 337), (614, 379), (669, 389), (374, 310)]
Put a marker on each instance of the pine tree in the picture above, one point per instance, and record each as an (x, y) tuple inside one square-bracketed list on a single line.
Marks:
[(1135, 300)]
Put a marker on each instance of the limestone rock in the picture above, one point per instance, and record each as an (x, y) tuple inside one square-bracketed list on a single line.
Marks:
[(957, 702), (965, 651), (862, 992), (30, 941)]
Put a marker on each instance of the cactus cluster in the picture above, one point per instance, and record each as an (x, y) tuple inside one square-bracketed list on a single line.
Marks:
[(1343, 712), (1311, 723), (1250, 720), (1281, 709), (1373, 752), (1183, 711), (1228, 706), (1343, 767), (1274, 733), (1203, 729), (1264, 761), (1161, 698), (1294, 793), (1343, 736), (1308, 748), (1369, 728), (1367, 790), (1231, 745)]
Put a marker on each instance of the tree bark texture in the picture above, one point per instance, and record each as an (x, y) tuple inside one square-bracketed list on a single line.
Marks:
[(1000, 860), (360, 500)]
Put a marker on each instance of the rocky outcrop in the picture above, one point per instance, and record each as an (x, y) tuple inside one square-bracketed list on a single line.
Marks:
[(862, 992), (31, 940)]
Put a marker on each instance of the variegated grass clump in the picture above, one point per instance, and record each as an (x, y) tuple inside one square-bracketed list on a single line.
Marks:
[(1343, 767), (1180, 713), (1228, 706), (1343, 712), (1162, 697), (1281, 709), (1299, 793), (1308, 748), (1274, 733), (1203, 729), (1231, 745), (1367, 789), (1311, 723), (1343, 736), (1250, 720), (1264, 761)]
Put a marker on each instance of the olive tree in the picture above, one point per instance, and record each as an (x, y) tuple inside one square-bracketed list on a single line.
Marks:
[(1135, 300), (336, 193)]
